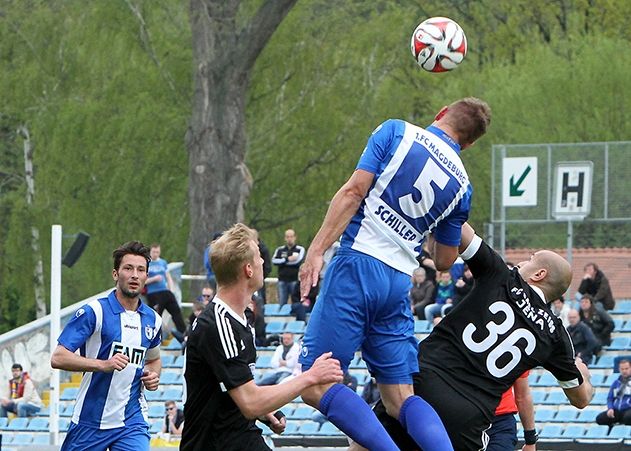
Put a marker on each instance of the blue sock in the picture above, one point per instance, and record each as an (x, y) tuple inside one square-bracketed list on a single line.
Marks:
[(346, 410), (424, 425)]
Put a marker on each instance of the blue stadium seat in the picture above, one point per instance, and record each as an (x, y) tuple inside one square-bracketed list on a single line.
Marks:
[(357, 363), (66, 411), (264, 361), (291, 428), (295, 327), (177, 362), (618, 324), (586, 416), (596, 431), (156, 411), (362, 378), (545, 415), (309, 428), (626, 327), (3, 422), (168, 377), (556, 397), (610, 379), (551, 431), (275, 327), (599, 398), (265, 428), (620, 343), (619, 431), (41, 439), (573, 431), (284, 310), (288, 410), (421, 326), (271, 309), (622, 306), (538, 396), (566, 415), (38, 424), (69, 394), (166, 360), (43, 412), (604, 362), (155, 395), (22, 440), (173, 345), (329, 429), (172, 394), (18, 424), (532, 379), (156, 427), (546, 380), (302, 413), (64, 424), (597, 379)]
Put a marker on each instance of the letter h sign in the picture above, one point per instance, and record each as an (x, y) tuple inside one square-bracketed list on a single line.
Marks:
[(573, 189)]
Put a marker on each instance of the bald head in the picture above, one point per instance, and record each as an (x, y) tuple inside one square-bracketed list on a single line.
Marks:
[(548, 271), (573, 317)]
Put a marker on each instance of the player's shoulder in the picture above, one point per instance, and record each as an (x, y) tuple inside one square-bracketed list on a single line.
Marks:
[(391, 127)]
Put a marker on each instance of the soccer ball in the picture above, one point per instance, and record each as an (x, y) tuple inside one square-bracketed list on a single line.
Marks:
[(439, 44)]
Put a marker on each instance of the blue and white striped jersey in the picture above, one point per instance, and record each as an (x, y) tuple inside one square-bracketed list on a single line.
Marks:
[(99, 330), (420, 186)]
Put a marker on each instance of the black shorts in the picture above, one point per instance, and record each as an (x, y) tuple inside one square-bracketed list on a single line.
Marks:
[(160, 299), (465, 423)]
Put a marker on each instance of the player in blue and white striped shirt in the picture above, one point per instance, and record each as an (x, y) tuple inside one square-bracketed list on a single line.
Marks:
[(119, 342), (409, 182)]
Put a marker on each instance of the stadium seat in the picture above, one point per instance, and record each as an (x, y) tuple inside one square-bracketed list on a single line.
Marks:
[(168, 377), (620, 343), (291, 428), (538, 396), (618, 324), (156, 411), (271, 309), (264, 361), (284, 310), (357, 363), (566, 415), (43, 412), (69, 394), (551, 431), (610, 379), (626, 327), (41, 439), (586, 416), (173, 345), (604, 362), (546, 380), (22, 440), (532, 379), (295, 327), (302, 413), (597, 379), (18, 424), (38, 425), (3, 422), (573, 431), (64, 424), (309, 428), (156, 427), (599, 398), (556, 397), (172, 394), (155, 395), (166, 360), (329, 429), (421, 326), (275, 327), (619, 431), (544, 415), (596, 431), (177, 362), (66, 411), (265, 428), (623, 306)]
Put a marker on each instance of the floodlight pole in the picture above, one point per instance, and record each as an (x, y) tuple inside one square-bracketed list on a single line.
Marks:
[(55, 307)]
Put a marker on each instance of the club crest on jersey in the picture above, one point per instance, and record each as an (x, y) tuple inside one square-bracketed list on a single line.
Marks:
[(149, 332), (79, 312), (136, 354)]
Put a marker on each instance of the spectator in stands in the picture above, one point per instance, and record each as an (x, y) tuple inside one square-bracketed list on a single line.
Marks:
[(288, 258), (24, 401), (597, 319), (284, 360), (443, 296), (256, 317), (208, 293), (421, 292), (159, 294), (463, 285), (173, 419), (198, 308), (585, 342), (618, 399), (561, 309), (301, 306), (596, 284), (203, 299)]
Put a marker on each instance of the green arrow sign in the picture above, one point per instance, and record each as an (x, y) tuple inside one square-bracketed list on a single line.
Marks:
[(514, 186)]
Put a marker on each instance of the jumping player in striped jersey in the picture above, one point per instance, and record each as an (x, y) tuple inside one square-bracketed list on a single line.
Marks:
[(409, 182), (119, 341)]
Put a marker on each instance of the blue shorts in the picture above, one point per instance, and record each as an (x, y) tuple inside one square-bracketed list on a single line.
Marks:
[(503, 433), (364, 304), (127, 438)]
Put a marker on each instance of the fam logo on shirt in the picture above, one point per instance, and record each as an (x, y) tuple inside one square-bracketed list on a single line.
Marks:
[(136, 354)]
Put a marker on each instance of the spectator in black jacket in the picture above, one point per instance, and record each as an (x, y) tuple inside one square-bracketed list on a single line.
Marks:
[(585, 343), (597, 319), (463, 285), (288, 258), (596, 284), (421, 293)]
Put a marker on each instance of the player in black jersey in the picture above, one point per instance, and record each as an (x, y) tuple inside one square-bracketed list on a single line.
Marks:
[(222, 401), (497, 332)]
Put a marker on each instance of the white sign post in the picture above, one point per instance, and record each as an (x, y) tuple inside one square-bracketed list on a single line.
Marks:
[(519, 182)]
